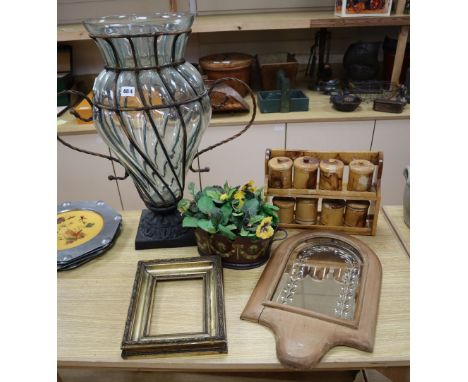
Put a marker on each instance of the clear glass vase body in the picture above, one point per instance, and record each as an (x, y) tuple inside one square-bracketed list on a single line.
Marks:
[(150, 106)]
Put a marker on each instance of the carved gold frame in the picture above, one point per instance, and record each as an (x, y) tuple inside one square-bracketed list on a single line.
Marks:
[(304, 336), (137, 339)]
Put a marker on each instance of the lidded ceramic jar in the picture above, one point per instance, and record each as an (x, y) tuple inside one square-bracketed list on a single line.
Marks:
[(360, 175), (356, 213), (286, 209), (280, 172), (332, 212), (305, 172), (331, 174)]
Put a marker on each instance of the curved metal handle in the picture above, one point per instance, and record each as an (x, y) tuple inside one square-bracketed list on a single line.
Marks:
[(281, 238), (75, 113), (254, 113), (72, 110)]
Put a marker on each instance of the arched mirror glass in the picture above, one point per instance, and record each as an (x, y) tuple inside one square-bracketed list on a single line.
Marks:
[(321, 275)]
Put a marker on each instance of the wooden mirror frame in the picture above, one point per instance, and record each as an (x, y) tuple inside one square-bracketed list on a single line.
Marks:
[(304, 336)]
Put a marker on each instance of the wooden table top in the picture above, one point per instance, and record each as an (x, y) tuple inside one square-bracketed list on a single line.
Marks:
[(92, 304), (395, 215)]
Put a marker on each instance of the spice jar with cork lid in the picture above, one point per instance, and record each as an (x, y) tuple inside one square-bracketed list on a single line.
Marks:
[(360, 175), (286, 209), (280, 172), (306, 210), (356, 213), (305, 172), (331, 174), (332, 212)]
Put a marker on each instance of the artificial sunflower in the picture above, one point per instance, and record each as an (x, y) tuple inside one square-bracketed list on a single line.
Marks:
[(249, 186), (240, 197), (264, 229)]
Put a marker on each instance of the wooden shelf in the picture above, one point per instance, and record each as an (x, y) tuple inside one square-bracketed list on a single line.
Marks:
[(320, 110), (266, 21)]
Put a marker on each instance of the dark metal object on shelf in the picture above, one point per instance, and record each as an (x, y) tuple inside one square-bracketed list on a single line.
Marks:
[(345, 102), (368, 91), (389, 105), (329, 87), (284, 100), (361, 61), (320, 51)]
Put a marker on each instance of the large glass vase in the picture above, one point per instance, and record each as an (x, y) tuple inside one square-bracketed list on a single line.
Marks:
[(151, 108)]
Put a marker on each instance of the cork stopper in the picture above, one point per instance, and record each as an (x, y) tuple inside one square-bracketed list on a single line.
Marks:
[(280, 163), (331, 165), (361, 166), (334, 203), (283, 202), (306, 163), (358, 204)]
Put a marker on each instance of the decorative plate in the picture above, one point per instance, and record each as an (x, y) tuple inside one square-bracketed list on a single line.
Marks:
[(84, 227)]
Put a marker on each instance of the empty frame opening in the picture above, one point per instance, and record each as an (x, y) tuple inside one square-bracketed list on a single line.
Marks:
[(178, 307)]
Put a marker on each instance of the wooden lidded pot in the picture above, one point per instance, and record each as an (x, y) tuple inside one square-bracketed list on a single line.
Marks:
[(360, 175), (331, 174), (332, 212), (236, 65), (280, 172), (286, 209), (306, 210), (305, 172), (356, 213)]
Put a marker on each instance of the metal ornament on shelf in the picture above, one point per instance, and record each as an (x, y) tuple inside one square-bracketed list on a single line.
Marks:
[(151, 108)]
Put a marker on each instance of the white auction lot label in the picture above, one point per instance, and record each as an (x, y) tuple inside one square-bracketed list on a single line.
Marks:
[(127, 91)]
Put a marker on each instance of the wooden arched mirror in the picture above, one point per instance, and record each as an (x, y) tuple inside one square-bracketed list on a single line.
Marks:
[(320, 289)]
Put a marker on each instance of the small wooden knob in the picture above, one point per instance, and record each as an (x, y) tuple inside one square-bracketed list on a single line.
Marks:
[(305, 172)]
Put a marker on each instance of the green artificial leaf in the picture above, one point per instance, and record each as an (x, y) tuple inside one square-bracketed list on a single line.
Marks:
[(216, 217), (214, 195), (183, 205), (226, 232), (226, 210), (205, 204), (256, 219), (251, 206), (206, 225), (208, 189), (190, 221), (269, 209), (191, 188), (246, 233)]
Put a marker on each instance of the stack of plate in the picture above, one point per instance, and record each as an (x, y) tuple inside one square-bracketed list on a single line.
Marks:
[(85, 230)]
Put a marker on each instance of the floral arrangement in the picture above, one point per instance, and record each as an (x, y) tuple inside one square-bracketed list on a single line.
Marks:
[(230, 211)]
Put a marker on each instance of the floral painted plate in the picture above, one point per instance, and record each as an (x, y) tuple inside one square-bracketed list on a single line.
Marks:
[(83, 228)]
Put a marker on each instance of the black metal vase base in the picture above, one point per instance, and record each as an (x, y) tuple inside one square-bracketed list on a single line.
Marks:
[(163, 230)]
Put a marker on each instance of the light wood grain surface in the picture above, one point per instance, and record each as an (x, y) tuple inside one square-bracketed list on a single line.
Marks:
[(395, 216), (320, 110), (92, 304), (259, 21)]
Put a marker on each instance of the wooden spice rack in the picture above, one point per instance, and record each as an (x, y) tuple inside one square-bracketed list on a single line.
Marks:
[(373, 196)]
